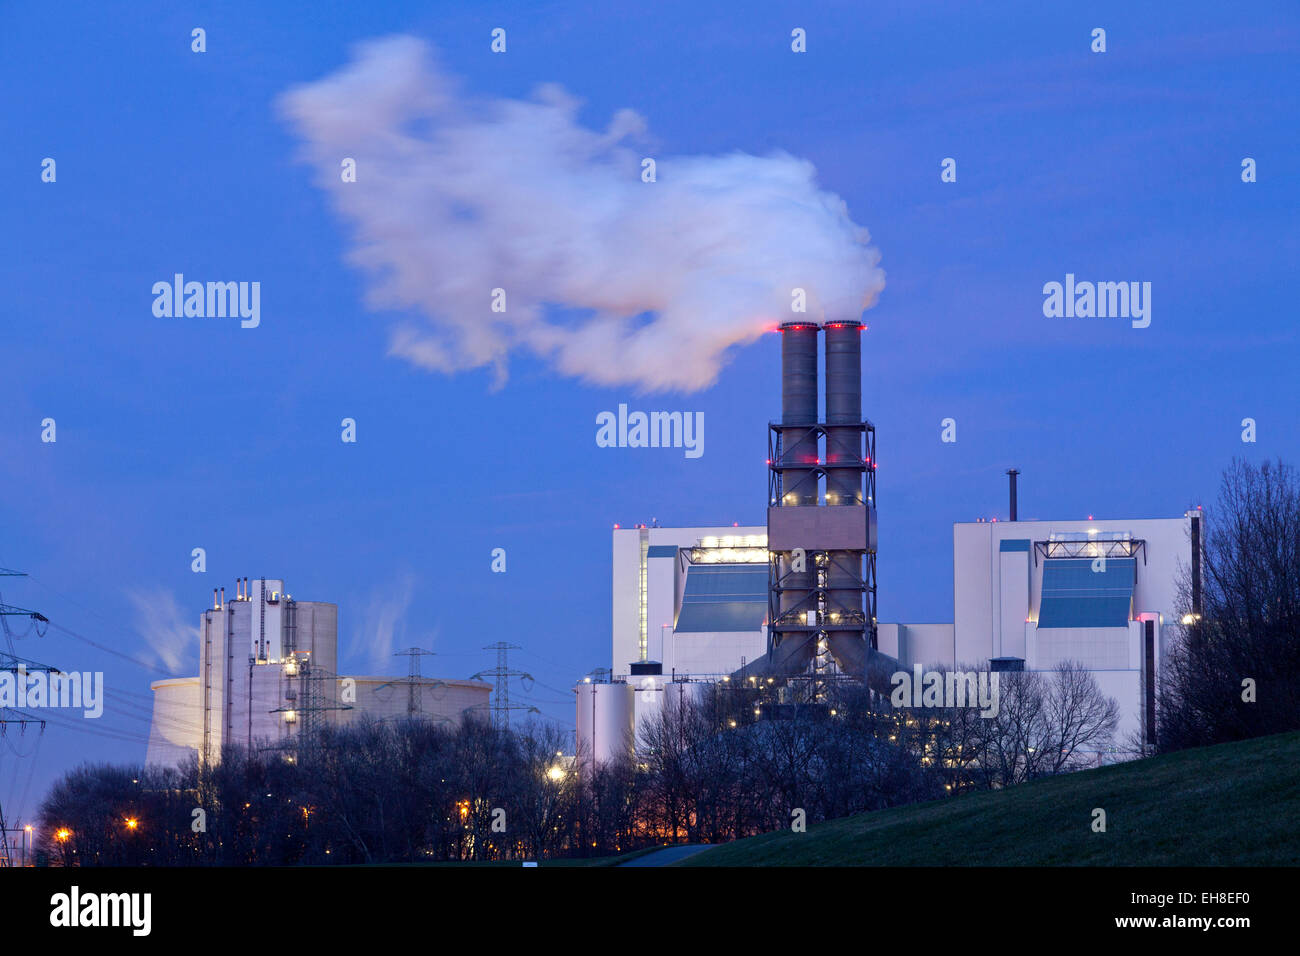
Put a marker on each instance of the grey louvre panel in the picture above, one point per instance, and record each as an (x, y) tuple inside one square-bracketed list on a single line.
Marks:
[(1074, 595), (662, 551), (723, 597)]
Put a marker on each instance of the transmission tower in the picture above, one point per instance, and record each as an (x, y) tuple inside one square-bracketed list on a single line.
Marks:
[(502, 673), (309, 702), (414, 693), (11, 662)]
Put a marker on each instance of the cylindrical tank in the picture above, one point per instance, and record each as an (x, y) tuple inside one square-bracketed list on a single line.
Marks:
[(689, 693), (606, 724)]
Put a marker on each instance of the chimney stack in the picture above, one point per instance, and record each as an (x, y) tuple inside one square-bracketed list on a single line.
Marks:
[(822, 580)]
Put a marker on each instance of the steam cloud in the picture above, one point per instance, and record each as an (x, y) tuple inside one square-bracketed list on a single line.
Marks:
[(610, 279), (166, 627), (384, 621)]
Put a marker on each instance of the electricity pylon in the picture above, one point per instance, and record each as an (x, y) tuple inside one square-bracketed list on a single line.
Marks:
[(501, 705), (414, 692), (11, 662)]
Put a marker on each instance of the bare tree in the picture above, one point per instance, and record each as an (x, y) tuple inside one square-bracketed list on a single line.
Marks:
[(1234, 671), (1046, 723)]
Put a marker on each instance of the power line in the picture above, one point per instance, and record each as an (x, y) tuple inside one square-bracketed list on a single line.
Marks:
[(501, 705), (109, 650), (18, 665), (414, 692)]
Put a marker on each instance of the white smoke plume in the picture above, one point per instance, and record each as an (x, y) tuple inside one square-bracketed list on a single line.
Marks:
[(168, 629), (384, 622), (611, 279)]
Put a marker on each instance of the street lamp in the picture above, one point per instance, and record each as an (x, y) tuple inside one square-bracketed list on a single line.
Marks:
[(61, 835)]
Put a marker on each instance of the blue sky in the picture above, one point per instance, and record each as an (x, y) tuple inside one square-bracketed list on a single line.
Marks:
[(183, 433)]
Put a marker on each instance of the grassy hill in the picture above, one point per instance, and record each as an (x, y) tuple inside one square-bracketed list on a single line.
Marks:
[(1233, 804)]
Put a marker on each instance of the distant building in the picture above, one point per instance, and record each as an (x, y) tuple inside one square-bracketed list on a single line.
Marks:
[(267, 664)]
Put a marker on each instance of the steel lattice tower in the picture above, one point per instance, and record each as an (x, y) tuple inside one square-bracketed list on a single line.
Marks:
[(11, 662), (502, 673), (414, 695)]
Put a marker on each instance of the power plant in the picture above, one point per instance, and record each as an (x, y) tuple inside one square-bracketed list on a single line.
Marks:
[(267, 679), (789, 607), (793, 606)]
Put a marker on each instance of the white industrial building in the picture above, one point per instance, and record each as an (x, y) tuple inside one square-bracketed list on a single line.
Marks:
[(691, 605), (692, 599), (267, 665)]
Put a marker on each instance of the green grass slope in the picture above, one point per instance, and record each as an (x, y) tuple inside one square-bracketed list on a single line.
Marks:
[(1233, 804)]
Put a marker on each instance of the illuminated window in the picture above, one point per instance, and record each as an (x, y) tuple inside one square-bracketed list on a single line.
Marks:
[(645, 615)]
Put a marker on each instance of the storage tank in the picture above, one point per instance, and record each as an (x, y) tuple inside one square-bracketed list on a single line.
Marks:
[(649, 699), (605, 721), (690, 693)]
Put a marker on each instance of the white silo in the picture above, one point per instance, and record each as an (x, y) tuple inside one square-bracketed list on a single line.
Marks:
[(605, 721)]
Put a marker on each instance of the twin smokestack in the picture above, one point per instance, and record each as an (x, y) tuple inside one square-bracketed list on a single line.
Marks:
[(818, 581)]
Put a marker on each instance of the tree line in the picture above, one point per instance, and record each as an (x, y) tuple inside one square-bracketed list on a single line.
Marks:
[(732, 764)]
